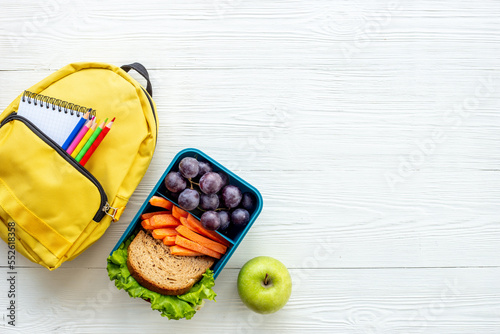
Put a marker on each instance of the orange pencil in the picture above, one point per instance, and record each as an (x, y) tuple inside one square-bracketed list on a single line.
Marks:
[(96, 143)]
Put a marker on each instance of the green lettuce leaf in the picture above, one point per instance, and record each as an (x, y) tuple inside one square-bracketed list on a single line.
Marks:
[(173, 307)]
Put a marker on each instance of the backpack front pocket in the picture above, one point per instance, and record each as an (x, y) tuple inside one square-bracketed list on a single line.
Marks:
[(49, 195)]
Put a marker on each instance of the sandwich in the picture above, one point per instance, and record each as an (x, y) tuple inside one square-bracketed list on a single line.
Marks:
[(155, 268), (175, 285)]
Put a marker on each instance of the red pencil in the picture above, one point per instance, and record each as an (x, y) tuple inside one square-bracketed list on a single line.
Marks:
[(96, 143)]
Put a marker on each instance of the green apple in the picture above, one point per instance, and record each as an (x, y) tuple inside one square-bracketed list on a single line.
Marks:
[(264, 284)]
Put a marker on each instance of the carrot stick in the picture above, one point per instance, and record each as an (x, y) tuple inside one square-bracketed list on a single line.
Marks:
[(178, 250), (210, 244), (161, 202), (169, 240), (161, 221), (146, 225), (161, 233), (198, 228), (193, 227), (194, 246), (178, 212), (151, 214)]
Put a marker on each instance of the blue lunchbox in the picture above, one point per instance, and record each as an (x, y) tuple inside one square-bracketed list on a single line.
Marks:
[(233, 235)]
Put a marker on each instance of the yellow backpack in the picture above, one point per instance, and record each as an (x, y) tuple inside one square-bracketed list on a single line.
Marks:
[(51, 207)]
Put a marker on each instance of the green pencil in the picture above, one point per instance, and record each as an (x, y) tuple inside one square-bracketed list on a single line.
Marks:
[(90, 141)]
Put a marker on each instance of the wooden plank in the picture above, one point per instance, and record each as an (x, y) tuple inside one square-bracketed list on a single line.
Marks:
[(323, 301), (252, 122), (237, 34)]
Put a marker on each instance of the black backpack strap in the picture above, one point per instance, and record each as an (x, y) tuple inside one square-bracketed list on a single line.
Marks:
[(142, 71)]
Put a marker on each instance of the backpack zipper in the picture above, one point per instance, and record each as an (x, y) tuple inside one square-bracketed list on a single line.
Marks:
[(104, 206)]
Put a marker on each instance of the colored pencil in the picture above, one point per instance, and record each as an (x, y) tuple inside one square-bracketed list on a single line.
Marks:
[(90, 141), (79, 136), (75, 131), (84, 139), (96, 143)]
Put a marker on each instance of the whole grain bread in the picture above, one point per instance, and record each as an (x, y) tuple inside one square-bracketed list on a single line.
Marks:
[(155, 268)]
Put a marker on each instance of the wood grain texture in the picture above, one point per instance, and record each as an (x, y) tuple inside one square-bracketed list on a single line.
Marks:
[(323, 301), (371, 128)]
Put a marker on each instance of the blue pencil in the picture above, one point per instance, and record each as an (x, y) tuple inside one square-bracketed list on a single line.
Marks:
[(75, 131)]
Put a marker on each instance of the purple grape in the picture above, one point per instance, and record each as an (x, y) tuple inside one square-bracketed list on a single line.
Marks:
[(209, 202), (175, 182), (205, 167), (210, 183), (210, 220), (240, 217), (248, 201), (224, 220), (232, 196), (225, 179), (189, 167), (189, 199)]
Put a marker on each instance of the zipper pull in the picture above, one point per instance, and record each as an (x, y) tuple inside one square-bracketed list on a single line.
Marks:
[(114, 213)]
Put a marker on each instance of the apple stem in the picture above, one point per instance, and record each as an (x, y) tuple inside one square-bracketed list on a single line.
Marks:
[(265, 279)]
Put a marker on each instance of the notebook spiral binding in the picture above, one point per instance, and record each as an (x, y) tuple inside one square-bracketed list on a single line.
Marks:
[(50, 102)]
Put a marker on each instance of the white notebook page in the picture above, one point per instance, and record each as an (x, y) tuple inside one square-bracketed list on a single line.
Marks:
[(54, 123)]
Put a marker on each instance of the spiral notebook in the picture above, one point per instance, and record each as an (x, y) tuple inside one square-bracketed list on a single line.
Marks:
[(54, 117)]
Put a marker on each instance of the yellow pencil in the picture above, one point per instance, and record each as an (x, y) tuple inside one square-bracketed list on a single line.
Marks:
[(84, 139)]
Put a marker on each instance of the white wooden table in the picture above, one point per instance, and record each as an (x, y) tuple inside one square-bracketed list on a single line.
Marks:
[(371, 128)]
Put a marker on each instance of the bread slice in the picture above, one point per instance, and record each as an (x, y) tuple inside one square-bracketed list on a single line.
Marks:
[(155, 268)]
